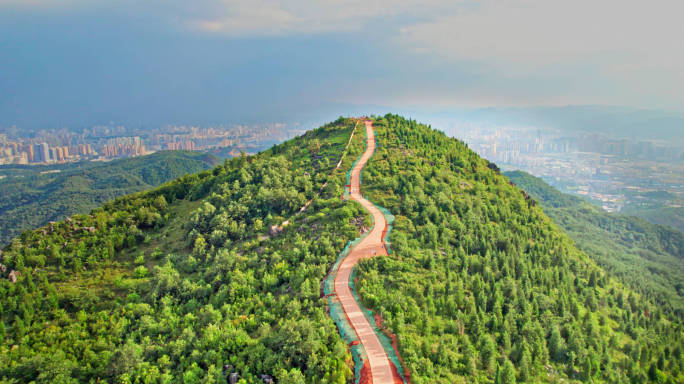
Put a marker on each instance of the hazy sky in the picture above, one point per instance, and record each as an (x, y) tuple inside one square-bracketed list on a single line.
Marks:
[(73, 62)]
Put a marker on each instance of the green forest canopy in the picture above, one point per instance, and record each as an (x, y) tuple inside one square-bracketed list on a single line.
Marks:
[(648, 257)]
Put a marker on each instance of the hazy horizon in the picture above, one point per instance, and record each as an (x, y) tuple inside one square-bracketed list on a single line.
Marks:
[(76, 63)]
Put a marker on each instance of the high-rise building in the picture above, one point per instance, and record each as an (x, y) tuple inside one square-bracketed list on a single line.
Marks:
[(42, 152), (60, 153), (29, 151)]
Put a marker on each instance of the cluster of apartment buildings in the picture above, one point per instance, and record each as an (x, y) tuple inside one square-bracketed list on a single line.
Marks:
[(35, 153), (123, 147), (109, 142)]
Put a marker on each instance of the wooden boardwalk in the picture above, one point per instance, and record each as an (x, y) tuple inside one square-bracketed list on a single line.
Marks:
[(372, 245)]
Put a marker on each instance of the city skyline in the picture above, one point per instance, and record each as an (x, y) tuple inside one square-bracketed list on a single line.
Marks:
[(110, 142)]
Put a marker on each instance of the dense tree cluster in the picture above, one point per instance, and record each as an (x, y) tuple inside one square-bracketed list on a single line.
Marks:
[(482, 287), (184, 284)]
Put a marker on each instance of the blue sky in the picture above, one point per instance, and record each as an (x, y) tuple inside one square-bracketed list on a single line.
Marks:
[(74, 62)]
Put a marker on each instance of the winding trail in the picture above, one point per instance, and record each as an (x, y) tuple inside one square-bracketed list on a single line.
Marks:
[(372, 245)]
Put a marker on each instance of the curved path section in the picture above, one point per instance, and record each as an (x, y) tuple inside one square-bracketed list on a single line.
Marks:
[(371, 245)]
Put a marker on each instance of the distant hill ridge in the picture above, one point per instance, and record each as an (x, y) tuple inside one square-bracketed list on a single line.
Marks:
[(30, 199)]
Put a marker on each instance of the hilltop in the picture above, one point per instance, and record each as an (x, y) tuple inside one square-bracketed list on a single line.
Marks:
[(194, 281)]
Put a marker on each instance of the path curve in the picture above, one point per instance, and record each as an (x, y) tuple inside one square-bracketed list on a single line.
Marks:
[(371, 245)]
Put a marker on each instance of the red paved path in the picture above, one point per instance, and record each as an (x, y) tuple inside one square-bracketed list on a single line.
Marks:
[(371, 245)]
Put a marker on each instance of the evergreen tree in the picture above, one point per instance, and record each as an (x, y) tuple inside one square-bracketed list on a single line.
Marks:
[(508, 373)]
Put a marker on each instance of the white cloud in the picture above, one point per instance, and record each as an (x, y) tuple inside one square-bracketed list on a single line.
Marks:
[(41, 3), (548, 32), (633, 46), (250, 20), (273, 17)]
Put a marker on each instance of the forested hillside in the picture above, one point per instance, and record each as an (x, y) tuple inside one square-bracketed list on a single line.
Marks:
[(31, 196), (663, 215), (483, 287), (195, 282), (184, 284), (647, 257)]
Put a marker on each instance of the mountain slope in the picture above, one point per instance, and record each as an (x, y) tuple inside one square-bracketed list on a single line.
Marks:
[(647, 257), (195, 282), (483, 287), (33, 196), (184, 283)]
